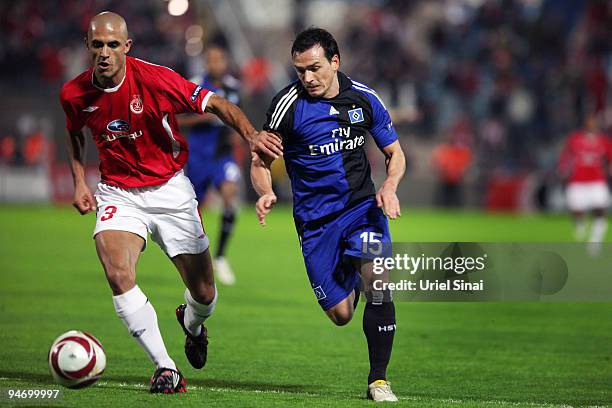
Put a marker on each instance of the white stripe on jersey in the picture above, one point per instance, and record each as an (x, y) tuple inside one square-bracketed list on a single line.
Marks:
[(285, 109), (176, 147), (280, 104), (361, 84), (205, 100), (368, 90), (150, 63)]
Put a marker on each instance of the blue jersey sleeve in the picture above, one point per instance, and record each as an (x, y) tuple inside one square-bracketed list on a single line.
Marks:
[(382, 127)]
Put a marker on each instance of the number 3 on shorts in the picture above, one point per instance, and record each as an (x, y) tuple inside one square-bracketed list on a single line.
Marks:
[(109, 212)]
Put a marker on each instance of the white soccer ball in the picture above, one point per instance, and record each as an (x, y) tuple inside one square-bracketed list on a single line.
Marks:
[(76, 359)]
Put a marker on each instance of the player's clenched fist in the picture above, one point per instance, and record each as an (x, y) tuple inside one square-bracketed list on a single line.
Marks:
[(264, 206), (84, 201)]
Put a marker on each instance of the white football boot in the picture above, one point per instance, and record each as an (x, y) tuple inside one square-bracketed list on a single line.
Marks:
[(380, 391), (223, 272)]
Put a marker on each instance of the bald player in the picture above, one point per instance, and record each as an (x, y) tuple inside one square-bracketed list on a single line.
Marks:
[(129, 105)]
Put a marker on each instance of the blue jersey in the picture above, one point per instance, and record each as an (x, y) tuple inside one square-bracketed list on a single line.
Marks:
[(324, 142), (211, 139)]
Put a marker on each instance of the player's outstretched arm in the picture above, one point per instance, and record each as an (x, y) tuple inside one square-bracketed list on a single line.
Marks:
[(262, 142), (262, 183), (84, 200), (386, 196), (192, 119)]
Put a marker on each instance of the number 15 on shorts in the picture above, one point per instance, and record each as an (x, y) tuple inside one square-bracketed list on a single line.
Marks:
[(372, 243)]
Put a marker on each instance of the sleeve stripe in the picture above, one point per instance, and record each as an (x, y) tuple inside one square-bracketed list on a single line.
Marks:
[(290, 101), (155, 65), (280, 104), (368, 90), (361, 84), (205, 100)]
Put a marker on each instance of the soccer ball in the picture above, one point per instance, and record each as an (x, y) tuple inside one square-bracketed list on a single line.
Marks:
[(76, 359)]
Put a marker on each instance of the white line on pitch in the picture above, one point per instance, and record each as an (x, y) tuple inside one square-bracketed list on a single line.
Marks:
[(309, 394)]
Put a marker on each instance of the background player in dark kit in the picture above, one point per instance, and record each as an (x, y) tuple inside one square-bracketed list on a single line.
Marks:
[(211, 159)]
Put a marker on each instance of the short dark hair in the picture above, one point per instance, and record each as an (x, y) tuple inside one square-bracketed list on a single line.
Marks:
[(313, 36)]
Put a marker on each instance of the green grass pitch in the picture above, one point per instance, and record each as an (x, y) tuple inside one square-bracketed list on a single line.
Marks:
[(270, 344)]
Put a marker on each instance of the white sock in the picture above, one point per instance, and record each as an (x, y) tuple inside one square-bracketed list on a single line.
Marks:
[(140, 318), (598, 229), (580, 230), (196, 313)]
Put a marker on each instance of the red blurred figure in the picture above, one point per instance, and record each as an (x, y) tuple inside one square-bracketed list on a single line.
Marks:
[(451, 161), (583, 164), (34, 149), (7, 149)]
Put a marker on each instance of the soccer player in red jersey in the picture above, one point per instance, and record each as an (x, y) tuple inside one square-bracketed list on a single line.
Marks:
[(583, 164), (130, 105)]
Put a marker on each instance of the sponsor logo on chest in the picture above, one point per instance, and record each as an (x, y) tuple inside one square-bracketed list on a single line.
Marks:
[(119, 128), (341, 141)]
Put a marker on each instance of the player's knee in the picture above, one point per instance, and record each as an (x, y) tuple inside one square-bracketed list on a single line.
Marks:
[(203, 293), (342, 319), (341, 316)]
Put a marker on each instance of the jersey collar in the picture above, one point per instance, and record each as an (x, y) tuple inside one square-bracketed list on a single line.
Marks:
[(114, 88), (344, 82)]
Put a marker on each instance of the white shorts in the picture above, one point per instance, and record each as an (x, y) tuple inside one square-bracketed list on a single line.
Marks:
[(587, 196), (169, 212)]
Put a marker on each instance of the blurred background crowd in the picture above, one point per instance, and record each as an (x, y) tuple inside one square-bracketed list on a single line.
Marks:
[(482, 92)]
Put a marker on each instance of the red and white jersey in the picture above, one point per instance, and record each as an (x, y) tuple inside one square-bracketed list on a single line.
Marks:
[(133, 124), (584, 157)]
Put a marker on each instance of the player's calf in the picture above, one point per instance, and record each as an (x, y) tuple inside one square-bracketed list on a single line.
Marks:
[(120, 280), (379, 328)]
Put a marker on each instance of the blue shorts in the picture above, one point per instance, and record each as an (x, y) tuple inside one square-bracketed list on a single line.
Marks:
[(331, 244), (214, 171)]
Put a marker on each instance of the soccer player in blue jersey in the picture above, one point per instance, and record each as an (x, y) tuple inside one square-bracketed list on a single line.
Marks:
[(323, 120), (211, 160)]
